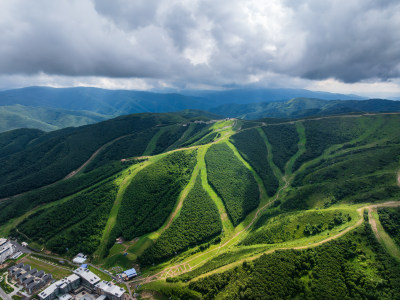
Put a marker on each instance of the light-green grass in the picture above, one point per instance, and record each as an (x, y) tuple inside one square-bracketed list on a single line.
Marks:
[(384, 238)]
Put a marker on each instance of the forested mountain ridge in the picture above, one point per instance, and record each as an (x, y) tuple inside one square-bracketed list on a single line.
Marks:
[(47, 119), (49, 157), (49, 109), (118, 102), (305, 107), (285, 206)]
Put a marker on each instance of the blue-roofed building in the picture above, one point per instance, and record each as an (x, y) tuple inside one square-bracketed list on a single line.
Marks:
[(129, 274), (84, 266)]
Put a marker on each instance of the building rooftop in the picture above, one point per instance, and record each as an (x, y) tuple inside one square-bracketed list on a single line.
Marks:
[(2, 250), (73, 277), (110, 288), (87, 275), (51, 289), (32, 284), (65, 297), (39, 274), (2, 241), (79, 260), (130, 272)]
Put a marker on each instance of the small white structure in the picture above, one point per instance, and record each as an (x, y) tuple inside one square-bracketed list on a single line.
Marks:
[(24, 244), (6, 249), (80, 258)]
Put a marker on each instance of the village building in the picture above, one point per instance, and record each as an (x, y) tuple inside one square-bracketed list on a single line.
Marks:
[(6, 250)]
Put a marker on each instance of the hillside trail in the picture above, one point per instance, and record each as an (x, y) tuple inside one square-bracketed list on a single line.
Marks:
[(93, 156), (73, 173), (360, 210), (380, 233), (322, 118), (183, 196), (186, 265)]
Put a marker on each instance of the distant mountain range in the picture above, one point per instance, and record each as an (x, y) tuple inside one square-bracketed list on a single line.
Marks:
[(43, 118), (49, 109), (305, 107)]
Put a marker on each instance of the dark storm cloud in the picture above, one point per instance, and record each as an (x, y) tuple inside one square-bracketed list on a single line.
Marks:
[(348, 40), (220, 42)]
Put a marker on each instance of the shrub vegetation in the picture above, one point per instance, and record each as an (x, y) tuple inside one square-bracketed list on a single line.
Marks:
[(152, 194), (234, 184), (198, 222), (73, 226), (283, 139), (390, 220), (252, 147), (333, 271)]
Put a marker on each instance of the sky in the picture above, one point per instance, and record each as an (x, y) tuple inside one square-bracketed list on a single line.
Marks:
[(343, 46)]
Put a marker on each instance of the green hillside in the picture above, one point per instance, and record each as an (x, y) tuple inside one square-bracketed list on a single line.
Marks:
[(304, 107), (52, 156), (46, 119), (219, 209)]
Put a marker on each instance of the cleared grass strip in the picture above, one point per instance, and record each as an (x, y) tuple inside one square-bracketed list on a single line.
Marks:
[(226, 222), (275, 169)]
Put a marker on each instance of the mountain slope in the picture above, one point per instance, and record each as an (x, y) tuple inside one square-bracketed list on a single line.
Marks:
[(108, 102), (304, 107), (52, 156), (46, 119), (312, 228), (242, 96)]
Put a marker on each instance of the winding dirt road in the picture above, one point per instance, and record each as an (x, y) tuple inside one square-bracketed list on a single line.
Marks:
[(186, 266)]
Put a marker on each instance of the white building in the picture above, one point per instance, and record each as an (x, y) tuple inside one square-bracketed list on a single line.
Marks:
[(60, 288), (6, 249), (80, 258), (82, 277), (109, 290), (89, 279)]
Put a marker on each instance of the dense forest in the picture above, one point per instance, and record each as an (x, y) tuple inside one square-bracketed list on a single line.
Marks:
[(52, 156), (152, 194), (16, 207), (283, 139), (130, 146), (333, 271), (195, 133), (321, 134), (253, 149), (73, 226), (390, 220), (168, 137), (198, 221), (235, 185)]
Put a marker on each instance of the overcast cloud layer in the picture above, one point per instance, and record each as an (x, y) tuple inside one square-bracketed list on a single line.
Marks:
[(190, 43)]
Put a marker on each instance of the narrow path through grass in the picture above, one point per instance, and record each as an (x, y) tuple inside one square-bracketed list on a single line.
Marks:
[(129, 174), (277, 172), (381, 234), (301, 131), (226, 222)]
